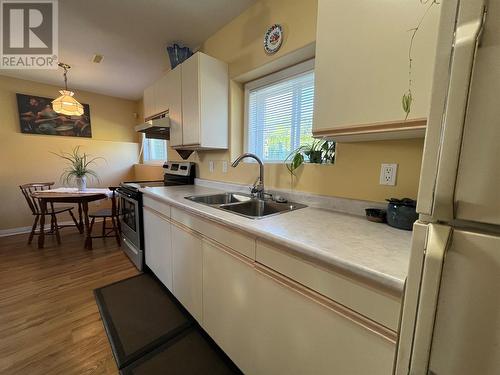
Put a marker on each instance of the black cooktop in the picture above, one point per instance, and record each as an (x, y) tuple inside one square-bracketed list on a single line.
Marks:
[(136, 185)]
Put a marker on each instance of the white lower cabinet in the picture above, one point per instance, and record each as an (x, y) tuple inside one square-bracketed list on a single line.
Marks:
[(298, 335), (187, 270), (229, 297), (158, 246), (266, 322)]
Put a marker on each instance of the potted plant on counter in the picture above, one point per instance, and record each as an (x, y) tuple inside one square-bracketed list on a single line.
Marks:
[(318, 152), (78, 169)]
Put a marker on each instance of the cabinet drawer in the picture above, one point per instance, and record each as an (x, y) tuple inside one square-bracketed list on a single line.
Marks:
[(229, 237), (156, 205), (367, 300)]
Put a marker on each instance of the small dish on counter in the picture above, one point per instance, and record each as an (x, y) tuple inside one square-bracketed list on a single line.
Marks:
[(376, 215)]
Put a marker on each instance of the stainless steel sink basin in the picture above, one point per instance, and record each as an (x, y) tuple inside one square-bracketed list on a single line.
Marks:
[(256, 208), (244, 205), (218, 199)]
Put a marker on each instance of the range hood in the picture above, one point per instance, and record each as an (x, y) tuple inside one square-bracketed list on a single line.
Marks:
[(157, 128)]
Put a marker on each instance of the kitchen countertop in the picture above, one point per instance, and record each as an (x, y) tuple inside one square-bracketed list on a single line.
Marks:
[(372, 251)]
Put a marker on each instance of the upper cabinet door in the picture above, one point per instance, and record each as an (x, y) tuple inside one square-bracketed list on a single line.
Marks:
[(162, 93), (171, 85), (191, 101), (205, 102), (149, 101), (362, 66)]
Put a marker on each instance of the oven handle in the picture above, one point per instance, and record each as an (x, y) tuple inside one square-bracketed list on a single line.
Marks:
[(127, 197), (130, 245)]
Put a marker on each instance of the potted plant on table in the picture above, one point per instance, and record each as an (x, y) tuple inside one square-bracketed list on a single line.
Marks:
[(78, 168)]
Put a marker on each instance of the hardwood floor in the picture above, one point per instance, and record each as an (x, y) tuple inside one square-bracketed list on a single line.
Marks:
[(49, 322)]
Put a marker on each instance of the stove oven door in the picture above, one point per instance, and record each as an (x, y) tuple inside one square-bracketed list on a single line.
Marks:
[(130, 218)]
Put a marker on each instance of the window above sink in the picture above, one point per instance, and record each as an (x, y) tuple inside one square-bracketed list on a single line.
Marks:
[(279, 112)]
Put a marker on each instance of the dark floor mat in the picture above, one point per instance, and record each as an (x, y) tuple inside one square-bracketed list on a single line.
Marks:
[(139, 315), (189, 353)]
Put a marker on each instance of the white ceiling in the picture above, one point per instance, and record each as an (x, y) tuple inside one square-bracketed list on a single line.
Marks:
[(132, 35)]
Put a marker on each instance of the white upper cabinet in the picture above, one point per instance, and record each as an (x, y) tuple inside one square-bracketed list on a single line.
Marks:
[(205, 102), (191, 99), (149, 101), (196, 95), (171, 100), (165, 95), (362, 65)]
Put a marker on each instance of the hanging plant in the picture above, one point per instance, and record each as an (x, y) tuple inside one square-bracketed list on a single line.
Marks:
[(407, 99)]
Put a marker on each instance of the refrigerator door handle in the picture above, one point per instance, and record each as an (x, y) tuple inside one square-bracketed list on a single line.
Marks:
[(437, 243), (466, 41)]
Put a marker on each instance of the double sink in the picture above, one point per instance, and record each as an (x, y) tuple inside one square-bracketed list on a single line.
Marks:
[(245, 205)]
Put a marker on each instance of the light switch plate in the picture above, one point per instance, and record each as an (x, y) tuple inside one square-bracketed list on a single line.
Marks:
[(224, 166), (388, 174), (211, 166)]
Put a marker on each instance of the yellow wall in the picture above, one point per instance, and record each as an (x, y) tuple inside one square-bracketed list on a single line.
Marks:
[(26, 158), (240, 42), (145, 172), (355, 173)]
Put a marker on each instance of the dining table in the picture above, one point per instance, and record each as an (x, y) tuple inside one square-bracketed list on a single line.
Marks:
[(70, 195)]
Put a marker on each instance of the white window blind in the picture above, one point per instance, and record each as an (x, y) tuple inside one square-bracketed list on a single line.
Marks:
[(154, 150), (279, 117)]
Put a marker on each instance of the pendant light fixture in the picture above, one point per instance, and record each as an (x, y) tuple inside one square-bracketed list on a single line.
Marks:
[(66, 104)]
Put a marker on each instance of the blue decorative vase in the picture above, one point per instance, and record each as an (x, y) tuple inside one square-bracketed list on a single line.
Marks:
[(178, 54)]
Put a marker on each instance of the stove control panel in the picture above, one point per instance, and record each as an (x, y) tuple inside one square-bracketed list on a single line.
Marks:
[(178, 168)]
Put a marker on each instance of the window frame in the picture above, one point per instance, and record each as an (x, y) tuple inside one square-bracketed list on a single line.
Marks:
[(152, 161), (270, 79)]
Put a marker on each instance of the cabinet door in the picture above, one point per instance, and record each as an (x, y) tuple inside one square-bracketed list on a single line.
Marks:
[(162, 94), (174, 100), (187, 270), (191, 101), (229, 304), (149, 101), (361, 66), (158, 246), (299, 335)]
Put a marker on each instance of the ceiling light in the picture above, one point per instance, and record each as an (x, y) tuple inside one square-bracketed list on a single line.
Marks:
[(66, 104)]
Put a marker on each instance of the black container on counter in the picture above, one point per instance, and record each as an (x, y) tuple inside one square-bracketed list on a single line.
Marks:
[(401, 213)]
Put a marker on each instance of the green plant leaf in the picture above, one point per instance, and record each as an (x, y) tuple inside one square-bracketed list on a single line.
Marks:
[(406, 101), (77, 165)]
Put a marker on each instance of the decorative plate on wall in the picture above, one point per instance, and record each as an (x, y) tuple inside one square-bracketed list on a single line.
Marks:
[(273, 39)]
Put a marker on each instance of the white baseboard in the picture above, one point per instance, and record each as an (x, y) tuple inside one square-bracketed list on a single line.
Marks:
[(14, 231), (23, 230)]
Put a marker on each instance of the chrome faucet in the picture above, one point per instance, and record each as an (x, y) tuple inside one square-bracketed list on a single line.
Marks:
[(258, 187)]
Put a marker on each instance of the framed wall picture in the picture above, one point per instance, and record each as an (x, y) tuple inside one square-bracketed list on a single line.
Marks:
[(36, 116)]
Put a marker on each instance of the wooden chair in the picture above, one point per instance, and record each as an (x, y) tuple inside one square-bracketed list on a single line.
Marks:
[(113, 213), (27, 190)]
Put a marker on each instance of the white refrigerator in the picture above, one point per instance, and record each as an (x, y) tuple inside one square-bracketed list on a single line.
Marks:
[(450, 322)]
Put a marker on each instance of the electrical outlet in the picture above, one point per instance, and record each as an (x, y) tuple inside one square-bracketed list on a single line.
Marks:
[(224, 166), (388, 174), (211, 166)]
